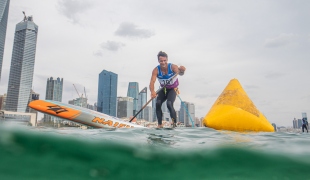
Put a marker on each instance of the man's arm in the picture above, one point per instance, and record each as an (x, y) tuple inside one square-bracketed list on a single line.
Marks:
[(178, 69), (152, 82)]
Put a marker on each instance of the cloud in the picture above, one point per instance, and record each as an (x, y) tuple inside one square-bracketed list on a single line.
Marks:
[(112, 45), (127, 29), (98, 53), (72, 8), (274, 75), (281, 40)]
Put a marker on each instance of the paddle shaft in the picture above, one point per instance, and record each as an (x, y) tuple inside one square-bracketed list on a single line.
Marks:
[(154, 97)]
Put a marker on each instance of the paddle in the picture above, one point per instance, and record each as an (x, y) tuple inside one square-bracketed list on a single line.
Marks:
[(154, 97)]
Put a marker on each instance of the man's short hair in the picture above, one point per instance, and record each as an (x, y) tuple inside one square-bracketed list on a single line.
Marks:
[(163, 54)]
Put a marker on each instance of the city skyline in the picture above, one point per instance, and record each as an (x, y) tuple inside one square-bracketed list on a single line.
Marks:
[(215, 41)]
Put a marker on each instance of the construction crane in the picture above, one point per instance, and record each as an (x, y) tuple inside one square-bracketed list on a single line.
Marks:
[(82, 100), (77, 91), (25, 17)]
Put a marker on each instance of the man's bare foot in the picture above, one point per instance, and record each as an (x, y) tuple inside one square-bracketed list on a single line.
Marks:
[(160, 126)]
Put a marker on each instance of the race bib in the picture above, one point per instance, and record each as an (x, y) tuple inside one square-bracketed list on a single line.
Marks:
[(164, 82)]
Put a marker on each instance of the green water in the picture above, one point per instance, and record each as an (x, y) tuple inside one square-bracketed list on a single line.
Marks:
[(186, 153)]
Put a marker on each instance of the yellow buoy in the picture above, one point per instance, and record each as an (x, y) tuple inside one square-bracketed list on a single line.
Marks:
[(233, 110)]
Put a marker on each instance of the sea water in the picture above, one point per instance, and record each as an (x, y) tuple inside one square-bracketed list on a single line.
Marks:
[(141, 153)]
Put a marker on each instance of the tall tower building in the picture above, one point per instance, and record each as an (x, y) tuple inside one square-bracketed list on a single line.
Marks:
[(299, 123), (107, 93), (4, 13), (54, 89), (142, 101), (22, 65), (133, 91)]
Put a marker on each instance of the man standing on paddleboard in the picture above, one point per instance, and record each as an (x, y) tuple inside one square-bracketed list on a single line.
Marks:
[(164, 72)]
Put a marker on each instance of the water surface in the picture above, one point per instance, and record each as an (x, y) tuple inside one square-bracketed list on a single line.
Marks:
[(182, 153)]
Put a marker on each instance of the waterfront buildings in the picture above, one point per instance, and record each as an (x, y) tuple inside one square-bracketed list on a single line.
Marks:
[(81, 102), (91, 107), (142, 99), (299, 123), (2, 101), (22, 65), (33, 96), (4, 13), (295, 123), (187, 113), (107, 93), (154, 117), (133, 91), (54, 89), (274, 127), (304, 116), (166, 112), (124, 107), (147, 113)]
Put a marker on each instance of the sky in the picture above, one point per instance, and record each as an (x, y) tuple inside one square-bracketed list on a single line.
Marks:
[(264, 44)]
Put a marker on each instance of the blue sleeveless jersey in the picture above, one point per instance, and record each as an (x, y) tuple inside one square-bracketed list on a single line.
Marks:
[(163, 79)]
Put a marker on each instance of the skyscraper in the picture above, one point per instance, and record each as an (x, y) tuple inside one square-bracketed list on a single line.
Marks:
[(22, 65), (4, 13), (107, 93), (133, 91), (54, 89), (299, 123), (142, 101)]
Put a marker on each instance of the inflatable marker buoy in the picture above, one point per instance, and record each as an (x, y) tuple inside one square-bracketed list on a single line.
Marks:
[(233, 110)]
